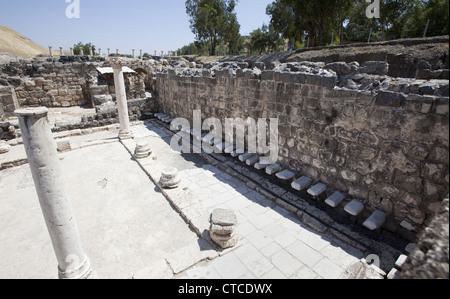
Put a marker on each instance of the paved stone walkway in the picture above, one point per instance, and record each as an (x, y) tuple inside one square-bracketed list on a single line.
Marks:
[(274, 243), (132, 233)]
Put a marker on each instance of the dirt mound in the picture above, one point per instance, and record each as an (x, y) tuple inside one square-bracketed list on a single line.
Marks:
[(15, 44)]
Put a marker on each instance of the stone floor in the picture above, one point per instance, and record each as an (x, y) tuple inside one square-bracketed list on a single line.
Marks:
[(132, 229)]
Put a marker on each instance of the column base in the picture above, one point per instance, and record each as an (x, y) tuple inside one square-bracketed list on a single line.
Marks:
[(124, 135), (84, 271)]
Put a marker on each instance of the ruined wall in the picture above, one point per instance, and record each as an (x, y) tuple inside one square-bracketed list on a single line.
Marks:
[(380, 139)]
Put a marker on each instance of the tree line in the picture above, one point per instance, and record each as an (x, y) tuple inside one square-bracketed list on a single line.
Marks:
[(311, 23)]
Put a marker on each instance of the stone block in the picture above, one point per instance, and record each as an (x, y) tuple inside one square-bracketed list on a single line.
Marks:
[(260, 166), (335, 199), (317, 189), (393, 274), (285, 175), (252, 161), (301, 183), (389, 99), (376, 220), (245, 157), (274, 168), (355, 207), (374, 68), (401, 261)]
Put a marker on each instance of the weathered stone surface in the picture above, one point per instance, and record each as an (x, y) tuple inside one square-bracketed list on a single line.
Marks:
[(169, 178), (223, 217), (355, 207), (374, 67), (4, 147), (430, 258)]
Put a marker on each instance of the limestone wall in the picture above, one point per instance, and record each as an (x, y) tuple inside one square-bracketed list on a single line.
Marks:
[(380, 139)]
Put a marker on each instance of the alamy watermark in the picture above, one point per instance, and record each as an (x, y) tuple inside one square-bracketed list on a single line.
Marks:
[(373, 10), (73, 9), (261, 136)]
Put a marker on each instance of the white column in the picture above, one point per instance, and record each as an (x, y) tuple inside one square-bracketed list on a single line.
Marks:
[(140, 54), (121, 97), (48, 179), (91, 52), (133, 50), (117, 51), (81, 51), (109, 51), (50, 50), (71, 51), (100, 52), (156, 53), (162, 53), (61, 51)]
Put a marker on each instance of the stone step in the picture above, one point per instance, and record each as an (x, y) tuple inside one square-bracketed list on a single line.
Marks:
[(237, 153), (355, 207), (317, 189), (335, 199), (260, 166), (376, 220), (245, 157), (168, 120), (301, 183), (274, 168), (252, 161), (285, 175)]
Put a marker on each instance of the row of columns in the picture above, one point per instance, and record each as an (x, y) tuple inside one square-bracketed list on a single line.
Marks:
[(40, 147), (91, 52)]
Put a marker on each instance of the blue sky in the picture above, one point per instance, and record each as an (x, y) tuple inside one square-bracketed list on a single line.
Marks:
[(125, 24)]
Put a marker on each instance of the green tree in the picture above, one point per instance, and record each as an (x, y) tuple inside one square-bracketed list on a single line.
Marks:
[(316, 19), (214, 21), (265, 39), (86, 47)]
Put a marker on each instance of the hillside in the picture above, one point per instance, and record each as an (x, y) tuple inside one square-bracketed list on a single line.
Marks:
[(13, 44)]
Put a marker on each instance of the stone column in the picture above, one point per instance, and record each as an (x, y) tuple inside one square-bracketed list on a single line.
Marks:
[(109, 51), (61, 51), (121, 96), (133, 51), (50, 50), (156, 53), (140, 54), (91, 52), (117, 51), (81, 51), (71, 51), (40, 148), (100, 52), (162, 53)]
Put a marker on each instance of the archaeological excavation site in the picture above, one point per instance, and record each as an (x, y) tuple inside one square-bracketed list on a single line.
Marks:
[(118, 167)]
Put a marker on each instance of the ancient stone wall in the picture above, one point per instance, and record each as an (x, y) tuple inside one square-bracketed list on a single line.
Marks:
[(380, 139)]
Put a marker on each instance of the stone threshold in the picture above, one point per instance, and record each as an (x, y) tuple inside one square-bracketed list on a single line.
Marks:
[(307, 213)]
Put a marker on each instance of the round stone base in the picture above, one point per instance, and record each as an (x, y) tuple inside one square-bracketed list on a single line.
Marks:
[(124, 135), (225, 241)]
